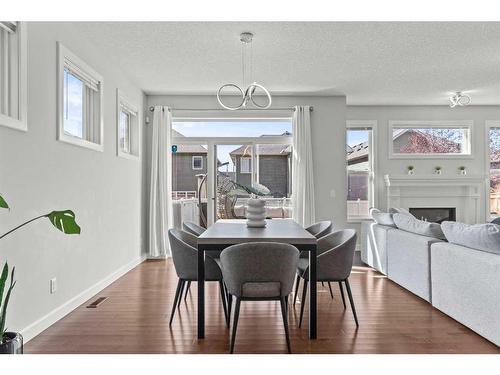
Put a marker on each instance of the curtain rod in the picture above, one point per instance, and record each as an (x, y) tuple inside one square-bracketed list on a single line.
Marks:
[(152, 108)]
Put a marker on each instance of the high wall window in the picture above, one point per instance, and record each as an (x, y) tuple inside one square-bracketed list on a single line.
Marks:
[(494, 170), (128, 127), (79, 101), (13, 75), (359, 157), (232, 155), (429, 139)]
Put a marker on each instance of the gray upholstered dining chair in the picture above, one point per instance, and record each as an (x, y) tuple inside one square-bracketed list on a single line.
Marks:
[(185, 256), (192, 228), (318, 230), (496, 221), (259, 271), (334, 264)]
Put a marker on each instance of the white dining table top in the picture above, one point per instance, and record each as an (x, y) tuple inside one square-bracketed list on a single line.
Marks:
[(236, 231)]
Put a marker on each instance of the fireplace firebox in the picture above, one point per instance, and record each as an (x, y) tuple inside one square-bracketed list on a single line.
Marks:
[(434, 214)]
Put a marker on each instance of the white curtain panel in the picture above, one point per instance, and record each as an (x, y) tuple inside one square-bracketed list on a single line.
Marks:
[(303, 174), (160, 197)]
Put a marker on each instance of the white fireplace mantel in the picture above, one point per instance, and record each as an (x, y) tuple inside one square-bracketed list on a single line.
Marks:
[(462, 192)]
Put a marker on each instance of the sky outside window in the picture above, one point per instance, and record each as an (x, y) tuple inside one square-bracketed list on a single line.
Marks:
[(73, 105)]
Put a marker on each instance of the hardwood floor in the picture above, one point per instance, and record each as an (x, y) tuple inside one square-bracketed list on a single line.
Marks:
[(134, 319)]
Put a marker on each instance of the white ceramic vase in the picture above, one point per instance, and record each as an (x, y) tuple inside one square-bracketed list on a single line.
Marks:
[(256, 213)]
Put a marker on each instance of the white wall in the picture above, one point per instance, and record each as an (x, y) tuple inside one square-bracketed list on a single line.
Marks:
[(40, 174), (328, 138), (384, 114)]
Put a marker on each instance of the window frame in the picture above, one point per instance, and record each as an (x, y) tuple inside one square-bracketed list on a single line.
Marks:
[(21, 121), (123, 104), (198, 157), (211, 142), (63, 54), (247, 159), (454, 124), (489, 124), (372, 162)]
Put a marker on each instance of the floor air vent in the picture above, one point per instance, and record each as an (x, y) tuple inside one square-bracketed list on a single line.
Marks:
[(97, 302)]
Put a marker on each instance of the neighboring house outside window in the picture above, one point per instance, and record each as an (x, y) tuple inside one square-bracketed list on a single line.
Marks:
[(360, 173), (245, 164)]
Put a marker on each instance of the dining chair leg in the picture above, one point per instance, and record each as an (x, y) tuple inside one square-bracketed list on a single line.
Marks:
[(348, 287), (284, 304), (187, 290), (330, 287), (183, 283), (175, 301), (303, 301), (297, 283), (342, 293), (223, 298), (229, 307), (235, 323)]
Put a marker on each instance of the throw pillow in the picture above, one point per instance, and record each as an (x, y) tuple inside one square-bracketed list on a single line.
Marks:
[(413, 225), (382, 218), (485, 237)]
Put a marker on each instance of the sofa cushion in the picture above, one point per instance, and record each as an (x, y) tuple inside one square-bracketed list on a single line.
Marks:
[(485, 237), (413, 225), (382, 218)]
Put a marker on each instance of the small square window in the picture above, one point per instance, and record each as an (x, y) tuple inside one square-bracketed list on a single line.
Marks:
[(197, 162), (245, 165), (13, 75), (80, 101), (128, 135)]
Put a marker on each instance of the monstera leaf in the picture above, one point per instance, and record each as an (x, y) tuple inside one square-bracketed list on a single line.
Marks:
[(64, 221), (3, 203)]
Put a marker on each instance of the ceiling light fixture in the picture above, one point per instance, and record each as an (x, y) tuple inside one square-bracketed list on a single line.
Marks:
[(247, 96), (459, 99)]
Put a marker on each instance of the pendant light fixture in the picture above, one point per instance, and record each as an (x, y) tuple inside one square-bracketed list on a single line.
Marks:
[(247, 95)]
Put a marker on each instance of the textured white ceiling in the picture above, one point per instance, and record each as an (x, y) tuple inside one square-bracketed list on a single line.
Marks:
[(370, 62)]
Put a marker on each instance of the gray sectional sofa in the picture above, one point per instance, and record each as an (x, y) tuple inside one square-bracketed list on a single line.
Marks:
[(462, 282)]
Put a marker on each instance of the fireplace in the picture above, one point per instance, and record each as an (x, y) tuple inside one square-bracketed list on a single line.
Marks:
[(434, 214)]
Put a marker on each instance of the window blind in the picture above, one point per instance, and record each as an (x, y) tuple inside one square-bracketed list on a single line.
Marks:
[(10, 27), (83, 76)]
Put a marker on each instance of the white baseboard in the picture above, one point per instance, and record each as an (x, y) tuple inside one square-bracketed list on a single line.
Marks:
[(60, 312)]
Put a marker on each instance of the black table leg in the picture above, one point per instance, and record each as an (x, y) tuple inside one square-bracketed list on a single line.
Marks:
[(312, 297), (201, 292)]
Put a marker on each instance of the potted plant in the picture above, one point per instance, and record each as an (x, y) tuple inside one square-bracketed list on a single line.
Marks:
[(411, 169), (12, 342), (463, 170), (437, 170)]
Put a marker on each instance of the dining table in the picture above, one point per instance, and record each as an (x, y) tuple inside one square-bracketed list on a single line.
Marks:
[(227, 232)]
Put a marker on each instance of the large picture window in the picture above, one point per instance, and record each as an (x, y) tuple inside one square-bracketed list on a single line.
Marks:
[(13, 75), (360, 173), (429, 139), (214, 161)]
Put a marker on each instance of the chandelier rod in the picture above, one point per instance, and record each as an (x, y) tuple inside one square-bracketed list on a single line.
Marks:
[(152, 108)]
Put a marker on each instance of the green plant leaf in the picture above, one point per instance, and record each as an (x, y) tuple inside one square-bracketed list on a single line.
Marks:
[(64, 221), (3, 203), (6, 303)]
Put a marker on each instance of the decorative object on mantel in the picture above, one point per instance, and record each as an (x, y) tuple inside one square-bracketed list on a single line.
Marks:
[(437, 170), (12, 342), (460, 99), (463, 170), (248, 95), (411, 169)]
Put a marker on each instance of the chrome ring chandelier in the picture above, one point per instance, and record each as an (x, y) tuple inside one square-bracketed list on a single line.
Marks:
[(459, 99), (247, 96)]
